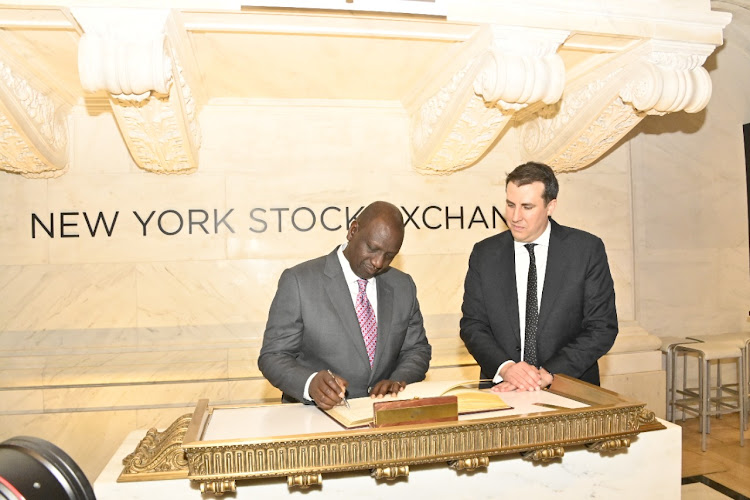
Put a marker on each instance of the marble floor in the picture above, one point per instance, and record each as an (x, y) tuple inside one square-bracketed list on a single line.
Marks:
[(724, 463)]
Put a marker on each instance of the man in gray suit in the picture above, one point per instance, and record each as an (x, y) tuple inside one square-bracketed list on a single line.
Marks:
[(346, 324), (539, 298)]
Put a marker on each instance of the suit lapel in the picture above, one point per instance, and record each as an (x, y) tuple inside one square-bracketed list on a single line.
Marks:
[(553, 278), (339, 295), (502, 286), (384, 315)]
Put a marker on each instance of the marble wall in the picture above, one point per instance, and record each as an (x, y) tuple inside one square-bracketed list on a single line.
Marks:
[(188, 309), (690, 204)]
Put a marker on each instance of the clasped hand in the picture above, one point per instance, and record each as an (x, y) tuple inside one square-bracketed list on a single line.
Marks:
[(522, 377)]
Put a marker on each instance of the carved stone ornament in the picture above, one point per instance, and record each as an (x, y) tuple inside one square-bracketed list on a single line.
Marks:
[(603, 105), (33, 127), (159, 455), (505, 70), (150, 98)]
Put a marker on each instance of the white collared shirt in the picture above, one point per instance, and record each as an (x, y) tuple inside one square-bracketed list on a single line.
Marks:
[(351, 281), (541, 250)]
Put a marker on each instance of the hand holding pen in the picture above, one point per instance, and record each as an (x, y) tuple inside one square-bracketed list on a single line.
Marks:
[(328, 390), (343, 389)]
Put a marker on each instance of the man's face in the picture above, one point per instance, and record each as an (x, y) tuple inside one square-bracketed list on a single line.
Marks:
[(372, 247), (526, 212)]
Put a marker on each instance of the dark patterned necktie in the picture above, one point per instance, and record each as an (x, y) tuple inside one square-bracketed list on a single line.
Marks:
[(367, 322), (532, 311)]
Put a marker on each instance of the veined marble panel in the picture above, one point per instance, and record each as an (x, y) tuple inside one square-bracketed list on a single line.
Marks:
[(113, 369), (227, 335), (17, 401), (323, 138), (439, 280), (13, 376), (597, 202), (621, 267), (49, 342), (67, 297), (680, 284), (243, 363), (20, 197), (97, 145), (253, 391), (194, 293), (116, 397), (630, 362)]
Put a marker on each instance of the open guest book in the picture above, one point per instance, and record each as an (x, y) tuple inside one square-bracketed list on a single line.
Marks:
[(470, 400)]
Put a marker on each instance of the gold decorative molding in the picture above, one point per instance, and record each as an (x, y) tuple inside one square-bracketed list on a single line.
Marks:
[(159, 455), (218, 488), (304, 481), (472, 463), (609, 445), (544, 454), (33, 125), (390, 473), (608, 423)]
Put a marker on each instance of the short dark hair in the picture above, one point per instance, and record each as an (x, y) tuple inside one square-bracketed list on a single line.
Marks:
[(535, 172)]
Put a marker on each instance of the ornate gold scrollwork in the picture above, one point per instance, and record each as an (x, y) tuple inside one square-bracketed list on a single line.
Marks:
[(218, 488), (544, 454), (609, 444), (304, 480), (391, 473), (646, 416), (469, 463), (159, 455)]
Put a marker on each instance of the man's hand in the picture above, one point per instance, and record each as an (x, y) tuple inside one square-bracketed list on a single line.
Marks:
[(327, 389), (387, 387), (523, 376), (503, 387), (546, 377)]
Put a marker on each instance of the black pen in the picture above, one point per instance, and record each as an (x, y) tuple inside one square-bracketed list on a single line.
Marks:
[(334, 379)]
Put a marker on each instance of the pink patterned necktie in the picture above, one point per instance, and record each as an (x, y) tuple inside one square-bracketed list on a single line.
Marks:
[(367, 322)]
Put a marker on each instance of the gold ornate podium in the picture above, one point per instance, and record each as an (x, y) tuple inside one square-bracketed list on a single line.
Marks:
[(602, 421)]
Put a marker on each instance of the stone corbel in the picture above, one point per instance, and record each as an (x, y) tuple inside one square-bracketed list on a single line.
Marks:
[(499, 72), (129, 54), (604, 104), (33, 125)]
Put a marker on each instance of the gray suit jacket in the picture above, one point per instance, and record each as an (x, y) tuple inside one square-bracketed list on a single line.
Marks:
[(312, 326), (577, 317)]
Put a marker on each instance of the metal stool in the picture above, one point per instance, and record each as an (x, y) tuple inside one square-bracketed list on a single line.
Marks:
[(698, 400), (667, 346), (743, 342)]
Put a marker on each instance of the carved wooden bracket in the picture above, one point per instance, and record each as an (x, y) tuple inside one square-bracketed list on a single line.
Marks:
[(134, 58), (33, 125)]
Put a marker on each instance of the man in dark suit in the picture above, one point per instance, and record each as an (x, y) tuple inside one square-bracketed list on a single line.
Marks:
[(539, 298), (346, 323)]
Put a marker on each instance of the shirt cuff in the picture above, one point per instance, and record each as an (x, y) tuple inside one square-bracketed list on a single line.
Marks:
[(497, 378), (306, 393)]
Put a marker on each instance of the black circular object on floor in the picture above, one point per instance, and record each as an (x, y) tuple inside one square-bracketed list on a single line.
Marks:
[(35, 469)]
